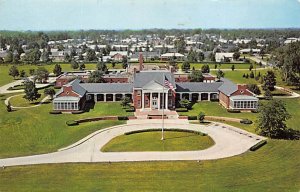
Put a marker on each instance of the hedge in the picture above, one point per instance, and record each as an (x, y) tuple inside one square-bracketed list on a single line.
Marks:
[(192, 117), (130, 109), (72, 123), (174, 130), (122, 118), (233, 111), (182, 110), (246, 121), (258, 145), (55, 112), (77, 112)]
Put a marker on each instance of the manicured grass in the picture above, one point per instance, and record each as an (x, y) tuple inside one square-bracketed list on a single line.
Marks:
[(34, 130), (237, 76), (274, 167), (151, 141), (215, 109), (19, 101)]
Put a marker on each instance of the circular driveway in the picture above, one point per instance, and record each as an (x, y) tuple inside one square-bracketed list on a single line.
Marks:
[(229, 141)]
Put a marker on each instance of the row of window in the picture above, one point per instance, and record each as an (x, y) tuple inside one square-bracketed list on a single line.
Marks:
[(244, 104), (65, 106)]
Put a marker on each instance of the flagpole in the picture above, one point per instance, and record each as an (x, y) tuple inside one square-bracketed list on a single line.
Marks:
[(163, 121)]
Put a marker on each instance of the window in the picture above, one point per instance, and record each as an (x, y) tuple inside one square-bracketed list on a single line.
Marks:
[(138, 93)]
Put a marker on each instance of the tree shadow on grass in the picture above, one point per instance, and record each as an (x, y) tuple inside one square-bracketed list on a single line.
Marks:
[(288, 134)]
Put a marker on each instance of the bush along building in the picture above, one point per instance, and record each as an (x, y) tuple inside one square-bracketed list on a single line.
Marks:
[(154, 90)]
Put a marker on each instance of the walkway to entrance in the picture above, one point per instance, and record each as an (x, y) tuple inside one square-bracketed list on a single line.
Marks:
[(155, 114)]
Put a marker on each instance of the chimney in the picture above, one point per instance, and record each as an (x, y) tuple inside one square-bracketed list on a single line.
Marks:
[(141, 61)]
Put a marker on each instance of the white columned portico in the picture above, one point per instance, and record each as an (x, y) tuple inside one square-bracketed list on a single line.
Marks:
[(143, 100), (95, 98), (158, 100), (166, 103)]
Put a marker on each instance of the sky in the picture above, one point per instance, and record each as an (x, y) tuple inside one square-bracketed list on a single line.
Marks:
[(145, 14)]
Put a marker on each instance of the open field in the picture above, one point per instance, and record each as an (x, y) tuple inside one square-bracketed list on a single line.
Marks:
[(237, 76), (36, 131), (151, 141), (19, 101), (274, 167)]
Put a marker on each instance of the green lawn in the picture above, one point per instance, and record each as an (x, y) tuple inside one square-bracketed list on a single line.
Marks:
[(274, 167), (34, 130), (19, 101), (151, 141), (5, 78), (237, 76)]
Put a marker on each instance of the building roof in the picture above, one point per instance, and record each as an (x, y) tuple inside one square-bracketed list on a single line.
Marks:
[(244, 98), (75, 87), (172, 55), (66, 98), (228, 87), (108, 87), (198, 87), (144, 77)]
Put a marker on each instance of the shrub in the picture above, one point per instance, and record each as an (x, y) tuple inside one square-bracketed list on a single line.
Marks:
[(72, 123), (131, 109), (254, 111), (182, 110), (233, 110), (258, 145), (192, 117), (246, 121), (55, 112), (122, 118), (77, 112), (174, 130)]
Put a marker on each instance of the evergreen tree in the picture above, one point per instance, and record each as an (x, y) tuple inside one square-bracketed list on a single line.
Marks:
[(31, 92)]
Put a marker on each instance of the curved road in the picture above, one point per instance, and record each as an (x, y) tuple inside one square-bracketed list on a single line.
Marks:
[(229, 141)]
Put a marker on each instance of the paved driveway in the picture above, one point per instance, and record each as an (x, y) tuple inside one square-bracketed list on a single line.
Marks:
[(229, 141)]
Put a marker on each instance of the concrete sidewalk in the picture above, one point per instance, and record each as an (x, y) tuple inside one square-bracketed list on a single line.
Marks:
[(229, 141)]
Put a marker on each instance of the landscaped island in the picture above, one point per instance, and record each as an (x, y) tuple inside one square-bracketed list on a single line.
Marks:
[(151, 141)]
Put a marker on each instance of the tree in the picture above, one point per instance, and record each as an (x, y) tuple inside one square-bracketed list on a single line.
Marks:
[(22, 73), (13, 71), (45, 56), (254, 89), (91, 55), (31, 72), (236, 55), (185, 66), (201, 117), (101, 66), (251, 75), (16, 58), (41, 74), (269, 81), (96, 77), (9, 57), (185, 103), (251, 67), (31, 92), (67, 58), (196, 76), (232, 67), (113, 64), (268, 94), (212, 57), (180, 45), (33, 56), (272, 118), (81, 66), (220, 74), (74, 64), (57, 70), (205, 69), (125, 102), (200, 56), (50, 92), (124, 62), (8, 107)]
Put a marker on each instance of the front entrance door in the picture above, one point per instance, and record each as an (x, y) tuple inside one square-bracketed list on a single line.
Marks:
[(154, 104)]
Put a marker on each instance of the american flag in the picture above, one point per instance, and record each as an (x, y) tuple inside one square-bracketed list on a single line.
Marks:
[(170, 86)]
